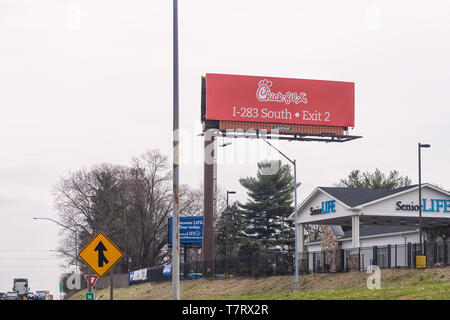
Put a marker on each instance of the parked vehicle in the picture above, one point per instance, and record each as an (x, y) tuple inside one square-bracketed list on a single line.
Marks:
[(20, 287), (42, 295), (2, 295), (11, 296), (30, 296)]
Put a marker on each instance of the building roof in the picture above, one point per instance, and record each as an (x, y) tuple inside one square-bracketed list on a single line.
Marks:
[(337, 230), (353, 197), (367, 231)]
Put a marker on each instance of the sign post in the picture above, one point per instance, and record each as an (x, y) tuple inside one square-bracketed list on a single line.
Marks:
[(111, 293), (89, 289)]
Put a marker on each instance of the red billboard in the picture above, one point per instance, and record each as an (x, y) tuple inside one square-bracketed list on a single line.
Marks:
[(280, 100)]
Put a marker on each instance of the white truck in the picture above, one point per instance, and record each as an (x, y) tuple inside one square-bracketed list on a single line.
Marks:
[(20, 287)]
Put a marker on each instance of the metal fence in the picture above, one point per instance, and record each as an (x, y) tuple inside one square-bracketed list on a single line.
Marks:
[(341, 260), (388, 256), (246, 266)]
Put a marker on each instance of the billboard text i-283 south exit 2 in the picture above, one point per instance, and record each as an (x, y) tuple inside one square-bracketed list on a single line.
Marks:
[(279, 100)]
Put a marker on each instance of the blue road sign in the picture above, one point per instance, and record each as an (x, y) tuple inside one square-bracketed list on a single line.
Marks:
[(191, 230)]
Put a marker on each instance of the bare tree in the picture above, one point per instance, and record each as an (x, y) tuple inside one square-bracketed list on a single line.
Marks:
[(131, 204), (89, 202), (191, 201), (151, 205)]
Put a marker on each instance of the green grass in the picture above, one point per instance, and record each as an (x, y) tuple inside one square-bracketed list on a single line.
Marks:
[(395, 284), (425, 291), (400, 278)]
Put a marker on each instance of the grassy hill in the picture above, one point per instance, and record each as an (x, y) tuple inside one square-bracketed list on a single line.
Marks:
[(395, 284)]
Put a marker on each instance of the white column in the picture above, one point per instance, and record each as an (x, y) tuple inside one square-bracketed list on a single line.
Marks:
[(301, 237), (355, 231)]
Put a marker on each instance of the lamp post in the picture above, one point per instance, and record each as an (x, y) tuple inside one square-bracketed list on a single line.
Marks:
[(420, 146), (68, 228), (294, 163), (76, 247), (226, 233)]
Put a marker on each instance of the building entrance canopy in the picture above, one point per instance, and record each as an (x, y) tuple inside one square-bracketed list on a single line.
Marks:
[(384, 207)]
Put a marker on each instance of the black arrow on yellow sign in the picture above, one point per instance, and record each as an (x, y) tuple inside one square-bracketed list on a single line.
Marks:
[(94, 254), (101, 257)]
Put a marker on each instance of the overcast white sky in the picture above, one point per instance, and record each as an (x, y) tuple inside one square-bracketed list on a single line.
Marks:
[(90, 81)]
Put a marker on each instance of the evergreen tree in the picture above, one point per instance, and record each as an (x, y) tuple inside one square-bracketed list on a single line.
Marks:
[(269, 206), (230, 225), (376, 180)]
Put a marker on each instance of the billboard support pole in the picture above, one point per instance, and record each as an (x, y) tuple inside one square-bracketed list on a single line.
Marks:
[(208, 214), (176, 190)]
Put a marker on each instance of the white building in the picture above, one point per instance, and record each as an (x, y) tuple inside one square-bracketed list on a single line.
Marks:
[(377, 217)]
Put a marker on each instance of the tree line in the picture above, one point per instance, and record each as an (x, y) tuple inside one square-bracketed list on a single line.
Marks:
[(129, 203), (132, 204), (261, 224)]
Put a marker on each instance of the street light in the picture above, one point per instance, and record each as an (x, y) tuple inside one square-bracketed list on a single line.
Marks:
[(76, 246), (294, 163), (68, 228), (226, 233), (420, 146)]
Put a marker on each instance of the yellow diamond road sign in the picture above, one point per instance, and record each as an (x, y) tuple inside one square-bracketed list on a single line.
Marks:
[(100, 254)]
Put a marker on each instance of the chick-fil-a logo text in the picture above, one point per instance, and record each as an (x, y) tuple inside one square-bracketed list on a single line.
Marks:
[(263, 93)]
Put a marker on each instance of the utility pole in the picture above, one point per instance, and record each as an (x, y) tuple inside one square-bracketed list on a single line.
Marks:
[(176, 189)]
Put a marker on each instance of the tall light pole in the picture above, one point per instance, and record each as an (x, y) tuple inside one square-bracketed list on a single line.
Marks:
[(420, 146), (76, 247), (226, 233), (68, 228), (294, 163), (176, 189)]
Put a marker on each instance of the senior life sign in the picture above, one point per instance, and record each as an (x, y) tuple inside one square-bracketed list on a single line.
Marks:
[(279, 100), (191, 230)]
